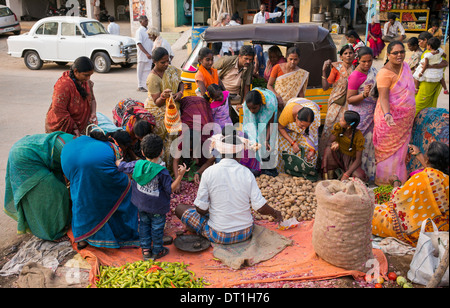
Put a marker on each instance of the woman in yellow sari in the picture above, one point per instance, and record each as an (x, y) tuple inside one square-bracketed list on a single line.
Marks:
[(425, 195), (164, 80), (287, 80), (298, 127)]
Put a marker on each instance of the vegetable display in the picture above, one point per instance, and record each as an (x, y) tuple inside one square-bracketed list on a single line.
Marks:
[(292, 196), (149, 274), (382, 194)]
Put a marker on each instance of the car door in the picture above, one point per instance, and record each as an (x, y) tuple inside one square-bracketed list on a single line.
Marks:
[(45, 40), (71, 43)]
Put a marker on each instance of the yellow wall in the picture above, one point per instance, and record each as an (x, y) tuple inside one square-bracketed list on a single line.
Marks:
[(305, 11), (167, 15)]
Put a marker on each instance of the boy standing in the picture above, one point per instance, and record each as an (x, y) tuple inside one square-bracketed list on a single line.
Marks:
[(152, 187)]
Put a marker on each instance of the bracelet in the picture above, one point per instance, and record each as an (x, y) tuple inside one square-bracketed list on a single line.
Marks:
[(324, 77), (397, 180), (364, 95), (293, 142), (388, 114)]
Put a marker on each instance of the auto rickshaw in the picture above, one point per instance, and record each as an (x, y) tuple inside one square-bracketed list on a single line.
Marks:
[(315, 44)]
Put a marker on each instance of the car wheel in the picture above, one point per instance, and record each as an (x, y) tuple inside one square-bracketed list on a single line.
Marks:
[(102, 62), (61, 63), (32, 60), (17, 32)]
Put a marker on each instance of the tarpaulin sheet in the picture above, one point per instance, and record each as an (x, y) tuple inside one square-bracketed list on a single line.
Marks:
[(295, 263)]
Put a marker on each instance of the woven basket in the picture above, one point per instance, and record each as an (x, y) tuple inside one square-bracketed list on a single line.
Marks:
[(172, 119)]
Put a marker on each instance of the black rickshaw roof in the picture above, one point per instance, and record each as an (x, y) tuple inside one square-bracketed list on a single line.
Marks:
[(269, 32)]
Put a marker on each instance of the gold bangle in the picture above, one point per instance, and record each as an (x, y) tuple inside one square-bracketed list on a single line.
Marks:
[(324, 77)]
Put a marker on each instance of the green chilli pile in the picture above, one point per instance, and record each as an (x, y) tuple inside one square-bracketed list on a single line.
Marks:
[(149, 274), (382, 194)]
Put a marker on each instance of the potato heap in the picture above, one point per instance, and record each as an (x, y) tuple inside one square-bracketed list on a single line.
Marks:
[(292, 196)]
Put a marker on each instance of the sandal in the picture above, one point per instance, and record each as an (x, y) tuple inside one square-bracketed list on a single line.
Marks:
[(161, 254), (146, 254), (445, 91)]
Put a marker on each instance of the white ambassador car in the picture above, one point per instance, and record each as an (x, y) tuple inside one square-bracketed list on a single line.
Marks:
[(63, 39)]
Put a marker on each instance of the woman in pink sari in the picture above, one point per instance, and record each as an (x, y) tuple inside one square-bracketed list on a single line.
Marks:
[(394, 116), (375, 35)]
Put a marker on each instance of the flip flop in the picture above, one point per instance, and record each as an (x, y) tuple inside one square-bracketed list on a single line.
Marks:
[(161, 254)]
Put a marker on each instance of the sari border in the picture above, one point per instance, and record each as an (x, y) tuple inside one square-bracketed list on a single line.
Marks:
[(107, 217)]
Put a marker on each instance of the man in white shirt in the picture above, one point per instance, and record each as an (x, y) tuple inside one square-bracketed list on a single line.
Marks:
[(262, 15), (144, 56), (391, 29), (227, 189), (113, 27)]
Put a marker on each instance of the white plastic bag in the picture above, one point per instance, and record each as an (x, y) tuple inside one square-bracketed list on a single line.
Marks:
[(429, 252)]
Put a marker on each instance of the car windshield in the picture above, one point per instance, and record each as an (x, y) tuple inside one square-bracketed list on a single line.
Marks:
[(93, 28)]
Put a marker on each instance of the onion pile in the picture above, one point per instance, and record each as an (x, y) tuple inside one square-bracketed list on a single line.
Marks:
[(292, 196)]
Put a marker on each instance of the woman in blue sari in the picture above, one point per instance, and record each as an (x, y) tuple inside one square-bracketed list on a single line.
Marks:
[(103, 215), (260, 111)]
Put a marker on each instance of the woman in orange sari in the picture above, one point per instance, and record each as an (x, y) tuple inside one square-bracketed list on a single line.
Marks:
[(425, 195), (394, 116), (206, 74)]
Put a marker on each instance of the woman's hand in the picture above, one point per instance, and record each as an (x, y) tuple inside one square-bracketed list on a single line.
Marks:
[(326, 65), (166, 93), (93, 119), (413, 150), (295, 148), (334, 146), (118, 162), (178, 96), (389, 119), (345, 176), (366, 90)]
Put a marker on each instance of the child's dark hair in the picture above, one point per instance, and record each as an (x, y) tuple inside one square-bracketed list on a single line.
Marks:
[(203, 53), (122, 137), (152, 145), (352, 118), (254, 97), (213, 89), (307, 115), (414, 41), (438, 156), (142, 128), (434, 43)]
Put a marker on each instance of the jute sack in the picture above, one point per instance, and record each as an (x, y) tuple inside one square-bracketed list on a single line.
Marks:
[(342, 228)]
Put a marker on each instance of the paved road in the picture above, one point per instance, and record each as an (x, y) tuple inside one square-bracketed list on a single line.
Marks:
[(26, 96)]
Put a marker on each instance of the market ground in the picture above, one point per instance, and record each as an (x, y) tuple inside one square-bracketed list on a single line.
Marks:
[(26, 95)]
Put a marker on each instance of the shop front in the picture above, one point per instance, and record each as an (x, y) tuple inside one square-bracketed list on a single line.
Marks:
[(416, 15)]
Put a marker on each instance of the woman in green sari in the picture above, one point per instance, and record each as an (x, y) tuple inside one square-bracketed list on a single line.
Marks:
[(36, 195), (428, 93)]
